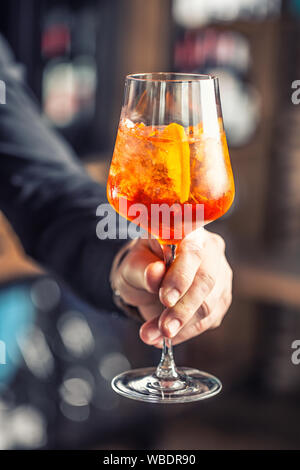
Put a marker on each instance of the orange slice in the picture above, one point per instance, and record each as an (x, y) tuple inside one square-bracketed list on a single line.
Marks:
[(177, 159)]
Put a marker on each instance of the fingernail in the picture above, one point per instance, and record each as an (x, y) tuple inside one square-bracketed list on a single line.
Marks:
[(153, 334), (173, 326), (171, 297)]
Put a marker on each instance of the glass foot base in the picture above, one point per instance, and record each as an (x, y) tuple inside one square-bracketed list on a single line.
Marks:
[(143, 385)]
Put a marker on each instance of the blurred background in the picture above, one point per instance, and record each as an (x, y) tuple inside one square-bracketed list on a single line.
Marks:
[(55, 388)]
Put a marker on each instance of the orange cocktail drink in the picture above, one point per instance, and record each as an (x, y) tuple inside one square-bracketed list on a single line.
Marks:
[(170, 165)]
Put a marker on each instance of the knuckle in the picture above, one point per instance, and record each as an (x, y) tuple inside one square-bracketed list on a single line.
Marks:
[(198, 327), (219, 241), (216, 324), (183, 278), (205, 310), (228, 270), (227, 299), (205, 281), (192, 247)]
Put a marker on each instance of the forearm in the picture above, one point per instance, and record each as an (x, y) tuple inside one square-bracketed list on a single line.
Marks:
[(49, 199), (55, 219)]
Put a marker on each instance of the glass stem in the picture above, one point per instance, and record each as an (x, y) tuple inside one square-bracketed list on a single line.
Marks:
[(166, 369)]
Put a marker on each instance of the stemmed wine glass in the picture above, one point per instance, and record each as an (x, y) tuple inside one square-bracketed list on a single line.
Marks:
[(170, 153)]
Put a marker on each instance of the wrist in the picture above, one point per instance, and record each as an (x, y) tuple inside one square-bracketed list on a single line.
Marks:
[(130, 310)]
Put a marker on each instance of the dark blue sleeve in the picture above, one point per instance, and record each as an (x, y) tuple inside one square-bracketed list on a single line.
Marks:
[(48, 197)]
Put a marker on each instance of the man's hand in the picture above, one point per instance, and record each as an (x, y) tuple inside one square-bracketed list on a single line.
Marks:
[(189, 298)]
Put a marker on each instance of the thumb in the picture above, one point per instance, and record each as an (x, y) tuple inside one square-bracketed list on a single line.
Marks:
[(154, 274)]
